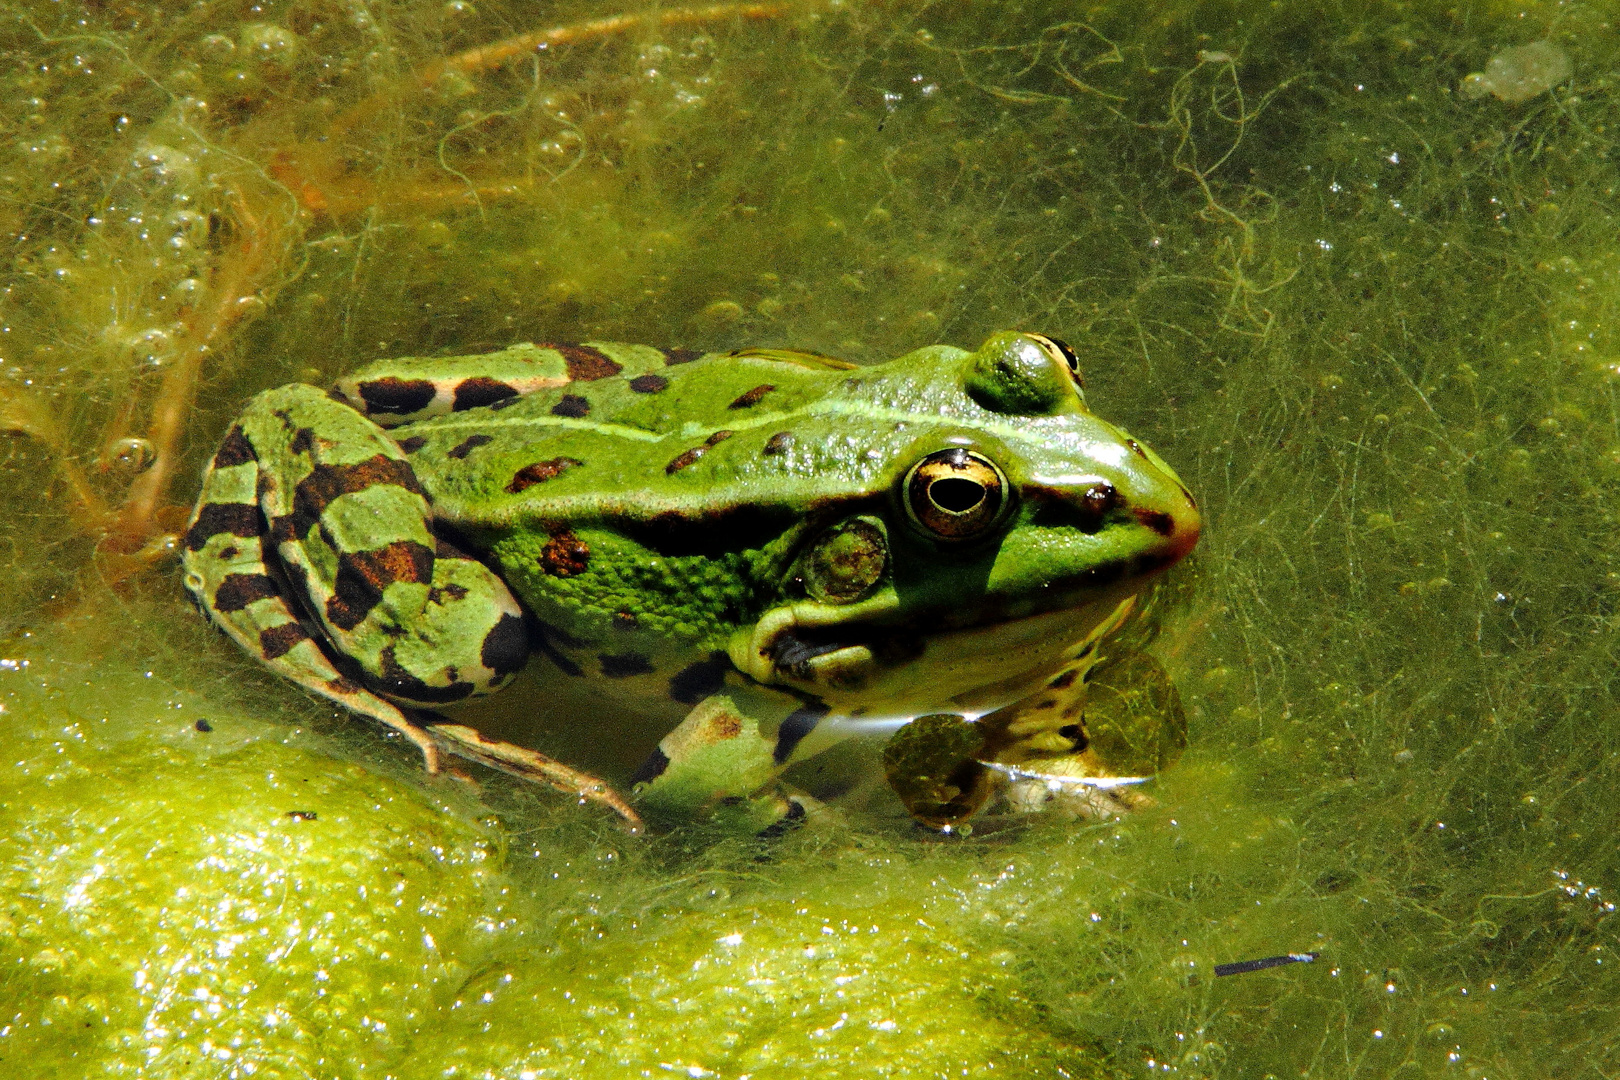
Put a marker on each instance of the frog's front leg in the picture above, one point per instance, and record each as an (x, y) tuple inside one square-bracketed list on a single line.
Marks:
[(723, 760)]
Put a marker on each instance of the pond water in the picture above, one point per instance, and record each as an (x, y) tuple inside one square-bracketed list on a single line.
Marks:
[(1365, 304)]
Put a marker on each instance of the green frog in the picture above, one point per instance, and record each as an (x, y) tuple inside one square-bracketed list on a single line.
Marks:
[(783, 546)]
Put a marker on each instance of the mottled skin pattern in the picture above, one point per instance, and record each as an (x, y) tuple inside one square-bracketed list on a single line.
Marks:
[(776, 539)]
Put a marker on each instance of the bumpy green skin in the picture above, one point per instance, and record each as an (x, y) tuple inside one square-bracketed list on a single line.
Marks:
[(778, 539)]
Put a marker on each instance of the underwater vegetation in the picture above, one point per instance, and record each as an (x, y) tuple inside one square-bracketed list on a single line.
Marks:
[(1354, 273)]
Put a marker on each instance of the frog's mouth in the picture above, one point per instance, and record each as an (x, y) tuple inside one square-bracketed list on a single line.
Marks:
[(867, 667)]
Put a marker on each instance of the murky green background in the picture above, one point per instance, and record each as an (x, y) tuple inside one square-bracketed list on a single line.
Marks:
[(1369, 318)]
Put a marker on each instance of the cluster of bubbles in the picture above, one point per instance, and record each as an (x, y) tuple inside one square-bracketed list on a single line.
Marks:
[(148, 247)]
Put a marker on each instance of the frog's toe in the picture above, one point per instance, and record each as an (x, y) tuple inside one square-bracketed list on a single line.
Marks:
[(794, 813)]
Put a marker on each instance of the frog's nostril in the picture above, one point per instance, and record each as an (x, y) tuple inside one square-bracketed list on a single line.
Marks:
[(1157, 520)]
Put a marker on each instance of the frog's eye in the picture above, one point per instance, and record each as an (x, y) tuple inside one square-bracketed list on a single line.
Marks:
[(1059, 350), (955, 494)]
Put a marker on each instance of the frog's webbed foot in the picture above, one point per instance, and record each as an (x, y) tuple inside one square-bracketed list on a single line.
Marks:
[(529, 764), (1073, 787), (1081, 745), (722, 762)]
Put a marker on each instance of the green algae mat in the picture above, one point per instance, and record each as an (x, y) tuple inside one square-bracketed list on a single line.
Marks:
[(1355, 274)]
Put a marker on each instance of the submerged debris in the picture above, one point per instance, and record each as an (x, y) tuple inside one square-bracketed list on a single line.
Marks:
[(1520, 73), (1243, 967)]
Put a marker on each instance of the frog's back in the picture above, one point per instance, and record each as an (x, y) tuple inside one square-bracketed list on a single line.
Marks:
[(605, 431)]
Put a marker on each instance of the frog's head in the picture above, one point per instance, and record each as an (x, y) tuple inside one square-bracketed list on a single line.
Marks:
[(1004, 525)]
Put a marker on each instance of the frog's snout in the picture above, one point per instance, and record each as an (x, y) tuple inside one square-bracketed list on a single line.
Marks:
[(1176, 521), (1189, 524)]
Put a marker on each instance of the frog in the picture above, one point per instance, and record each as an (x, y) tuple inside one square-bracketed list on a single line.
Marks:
[(774, 547)]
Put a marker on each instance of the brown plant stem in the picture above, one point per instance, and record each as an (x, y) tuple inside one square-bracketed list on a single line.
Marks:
[(487, 56), (497, 53), (234, 286)]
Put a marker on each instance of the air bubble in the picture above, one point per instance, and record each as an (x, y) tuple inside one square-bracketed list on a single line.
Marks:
[(269, 42), (130, 455), (164, 165), (188, 229), (216, 47), (153, 346), (1520, 73)]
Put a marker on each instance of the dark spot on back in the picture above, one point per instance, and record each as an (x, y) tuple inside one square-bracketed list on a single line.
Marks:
[(399, 397), (203, 726), (303, 441), (624, 665), (652, 768), (506, 646), (1065, 680), (565, 555), (571, 405), (694, 682), (799, 723), (328, 482), (680, 356), (237, 591), (235, 450), (686, 458), (479, 391), (469, 444), (752, 397), (540, 472), (301, 815), (780, 443), (278, 641), (412, 444), (1157, 520), (648, 384), (586, 364), (237, 519), (363, 576)]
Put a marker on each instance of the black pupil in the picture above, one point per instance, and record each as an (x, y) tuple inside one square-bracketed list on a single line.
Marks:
[(956, 494)]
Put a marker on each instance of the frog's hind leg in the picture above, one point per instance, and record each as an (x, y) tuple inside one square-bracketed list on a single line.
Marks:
[(248, 599), (311, 548)]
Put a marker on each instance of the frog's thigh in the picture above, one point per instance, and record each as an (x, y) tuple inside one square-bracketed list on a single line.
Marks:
[(248, 599), (423, 622), (724, 758)]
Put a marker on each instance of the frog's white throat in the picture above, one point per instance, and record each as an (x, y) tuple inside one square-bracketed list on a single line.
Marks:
[(873, 673)]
